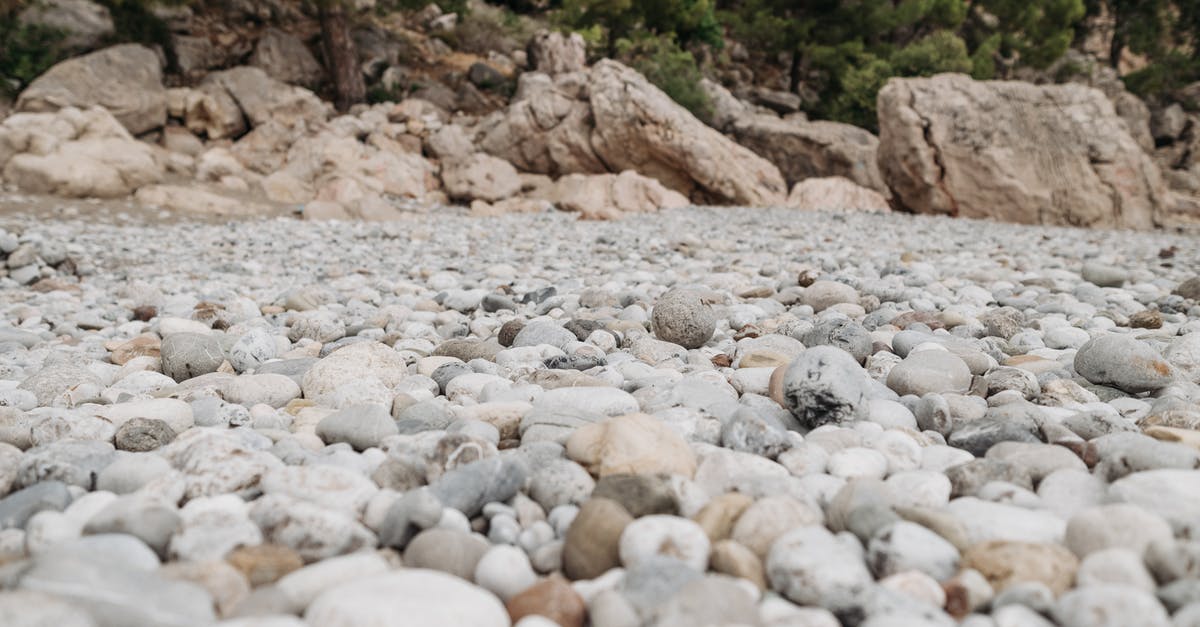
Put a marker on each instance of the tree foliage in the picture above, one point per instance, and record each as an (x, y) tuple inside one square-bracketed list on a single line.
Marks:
[(845, 50)]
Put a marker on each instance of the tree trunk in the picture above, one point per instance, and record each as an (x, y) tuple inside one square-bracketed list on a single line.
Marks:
[(341, 56), (794, 72)]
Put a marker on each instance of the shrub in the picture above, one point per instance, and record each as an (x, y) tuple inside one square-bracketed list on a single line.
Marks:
[(25, 52), (670, 68)]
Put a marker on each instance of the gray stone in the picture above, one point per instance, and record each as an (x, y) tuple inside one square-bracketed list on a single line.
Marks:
[(149, 519), (640, 495), (825, 385), (75, 462), (683, 317), (1104, 275), (468, 488), (119, 596), (18, 507), (1123, 362), (930, 371), (447, 550), (188, 355), (360, 426), (756, 432), (539, 332), (140, 435)]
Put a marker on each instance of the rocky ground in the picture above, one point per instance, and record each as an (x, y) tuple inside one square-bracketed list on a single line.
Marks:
[(707, 416)]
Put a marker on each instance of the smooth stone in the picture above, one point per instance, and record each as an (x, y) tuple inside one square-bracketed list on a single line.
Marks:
[(468, 488), (640, 495), (17, 508), (661, 535), (1005, 563), (760, 524), (505, 571), (825, 385), (188, 355), (552, 598), (455, 552), (1124, 363), (1117, 525), (117, 595), (1109, 606), (1172, 494), (593, 540), (810, 566), (360, 426), (905, 546), (418, 595), (631, 444), (930, 372)]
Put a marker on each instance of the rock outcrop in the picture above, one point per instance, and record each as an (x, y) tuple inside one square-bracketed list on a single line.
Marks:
[(611, 119), (125, 79), (1015, 152), (803, 149), (75, 153), (284, 57), (638, 127)]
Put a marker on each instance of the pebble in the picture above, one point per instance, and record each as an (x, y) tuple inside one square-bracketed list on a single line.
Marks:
[(682, 317), (840, 426), (1124, 363)]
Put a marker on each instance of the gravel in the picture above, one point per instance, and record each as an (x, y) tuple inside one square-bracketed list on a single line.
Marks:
[(756, 417)]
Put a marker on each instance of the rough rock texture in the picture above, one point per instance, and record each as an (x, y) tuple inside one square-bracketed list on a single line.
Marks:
[(612, 119), (1016, 152), (639, 127), (284, 57), (556, 53), (75, 153), (125, 79), (835, 192), (263, 99), (191, 199), (547, 127), (609, 196), (804, 150)]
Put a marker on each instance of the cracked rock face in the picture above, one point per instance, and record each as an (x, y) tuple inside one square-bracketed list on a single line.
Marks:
[(1055, 155)]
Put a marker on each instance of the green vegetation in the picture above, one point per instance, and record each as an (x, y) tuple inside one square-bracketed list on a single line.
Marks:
[(25, 52), (671, 68), (1166, 33)]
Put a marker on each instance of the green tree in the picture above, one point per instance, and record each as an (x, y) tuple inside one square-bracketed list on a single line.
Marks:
[(686, 21)]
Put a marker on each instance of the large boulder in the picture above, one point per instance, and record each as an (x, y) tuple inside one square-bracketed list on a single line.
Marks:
[(284, 57), (611, 119), (638, 127), (610, 196), (1015, 152), (84, 23), (75, 153), (803, 149), (125, 79), (262, 98)]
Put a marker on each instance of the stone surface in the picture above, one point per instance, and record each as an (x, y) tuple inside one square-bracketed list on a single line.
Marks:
[(939, 153), (124, 79)]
